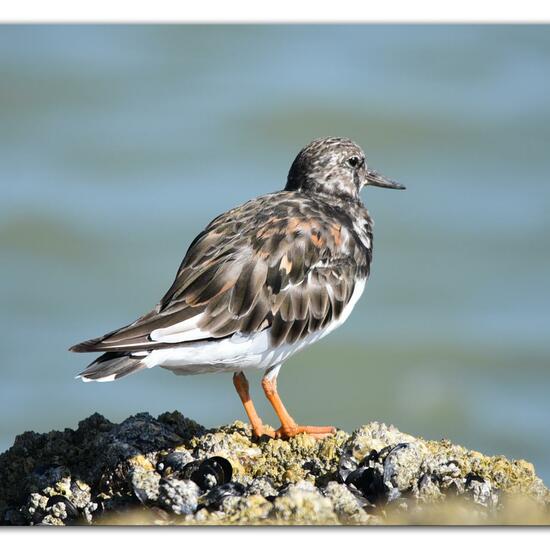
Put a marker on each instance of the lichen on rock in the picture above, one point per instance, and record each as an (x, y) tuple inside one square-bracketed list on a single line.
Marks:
[(171, 470)]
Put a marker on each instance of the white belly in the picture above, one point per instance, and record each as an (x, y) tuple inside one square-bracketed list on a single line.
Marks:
[(240, 352)]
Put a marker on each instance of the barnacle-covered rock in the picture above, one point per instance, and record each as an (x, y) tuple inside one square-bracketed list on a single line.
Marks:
[(350, 508), (255, 509), (171, 470), (302, 503), (179, 496)]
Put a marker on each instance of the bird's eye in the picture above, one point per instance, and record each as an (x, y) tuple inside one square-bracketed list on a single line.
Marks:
[(354, 162)]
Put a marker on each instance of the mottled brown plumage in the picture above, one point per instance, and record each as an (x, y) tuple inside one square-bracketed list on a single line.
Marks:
[(284, 260)]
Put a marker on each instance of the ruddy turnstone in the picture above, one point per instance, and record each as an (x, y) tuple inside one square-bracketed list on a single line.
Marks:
[(260, 283)]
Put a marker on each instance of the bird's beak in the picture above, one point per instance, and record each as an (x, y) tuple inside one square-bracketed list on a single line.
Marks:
[(378, 180)]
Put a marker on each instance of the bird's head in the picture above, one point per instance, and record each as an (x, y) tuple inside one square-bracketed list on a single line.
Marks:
[(334, 166)]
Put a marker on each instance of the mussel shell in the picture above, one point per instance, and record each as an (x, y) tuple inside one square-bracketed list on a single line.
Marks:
[(141, 494), (374, 456), (70, 508), (215, 496), (349, 464), (190, 469), (175, 462), (392, 451), (222, 465), (346, 466), (471, 477), (209, 473), (369, 482), (216, 467)]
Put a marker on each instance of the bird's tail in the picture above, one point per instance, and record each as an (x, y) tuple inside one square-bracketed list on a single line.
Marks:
[(112, 366)]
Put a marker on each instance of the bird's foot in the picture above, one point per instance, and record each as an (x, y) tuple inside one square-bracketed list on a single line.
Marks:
[(292, 430), (262, 430)]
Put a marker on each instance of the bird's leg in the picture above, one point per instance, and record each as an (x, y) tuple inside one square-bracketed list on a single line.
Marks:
[(241, 385), (289, 428)]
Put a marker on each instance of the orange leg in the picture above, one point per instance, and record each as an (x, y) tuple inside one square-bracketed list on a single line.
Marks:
[(289, 428), (241, 385)]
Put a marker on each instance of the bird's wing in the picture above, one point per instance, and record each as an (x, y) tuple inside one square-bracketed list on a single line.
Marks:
[(254, 267)]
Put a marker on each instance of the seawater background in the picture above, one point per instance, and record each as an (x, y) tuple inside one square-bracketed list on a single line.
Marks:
[(119, 143)]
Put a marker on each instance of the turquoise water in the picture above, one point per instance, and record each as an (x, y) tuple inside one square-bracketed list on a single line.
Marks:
[(117, 144)]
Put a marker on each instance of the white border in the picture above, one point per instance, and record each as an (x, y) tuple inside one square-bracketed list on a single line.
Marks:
[(293, 11), (239, 538)]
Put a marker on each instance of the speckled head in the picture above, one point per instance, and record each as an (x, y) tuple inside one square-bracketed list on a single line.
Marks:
[(334, 166)]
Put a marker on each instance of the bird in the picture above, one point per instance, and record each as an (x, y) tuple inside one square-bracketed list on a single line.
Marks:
[(260, 283)]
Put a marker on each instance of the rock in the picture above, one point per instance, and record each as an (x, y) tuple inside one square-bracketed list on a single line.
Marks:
[(350, 508), (146, 485), (179, 496), (171, 470), (253, 510), (303, 504), (402, 465)]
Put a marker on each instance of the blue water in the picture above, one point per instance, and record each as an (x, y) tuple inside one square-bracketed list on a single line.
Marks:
[(119, 143)]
